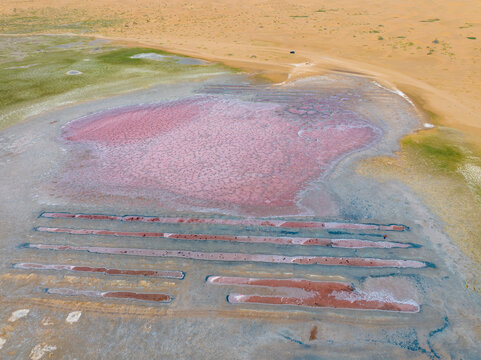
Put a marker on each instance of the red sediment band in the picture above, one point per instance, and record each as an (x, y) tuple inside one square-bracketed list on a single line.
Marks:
[(321, 302), (313, 294), (307, 285), (138, 296), (339, 243), (111, 294), (217, 221), (216, 256), (107, 271), (99, 232)]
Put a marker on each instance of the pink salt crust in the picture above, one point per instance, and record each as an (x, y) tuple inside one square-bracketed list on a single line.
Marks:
[(221, 152)]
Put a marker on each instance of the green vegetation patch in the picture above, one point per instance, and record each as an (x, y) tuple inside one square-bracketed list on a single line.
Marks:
[(54, 20), (439, 150), (446, 171), (35, 69), (430, 20)]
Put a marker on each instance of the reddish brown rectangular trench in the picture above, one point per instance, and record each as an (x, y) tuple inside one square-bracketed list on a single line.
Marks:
[(320, 294), (106, 271), (241, 257), (338, 243), (125, 295), (218, 221)]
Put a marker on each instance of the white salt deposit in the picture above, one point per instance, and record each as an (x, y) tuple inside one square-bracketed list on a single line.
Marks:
[(20, 67), (381, 296), (149, 56), (40, 350), (395, 91), (472, 173), (73, 317), (18, 314)]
